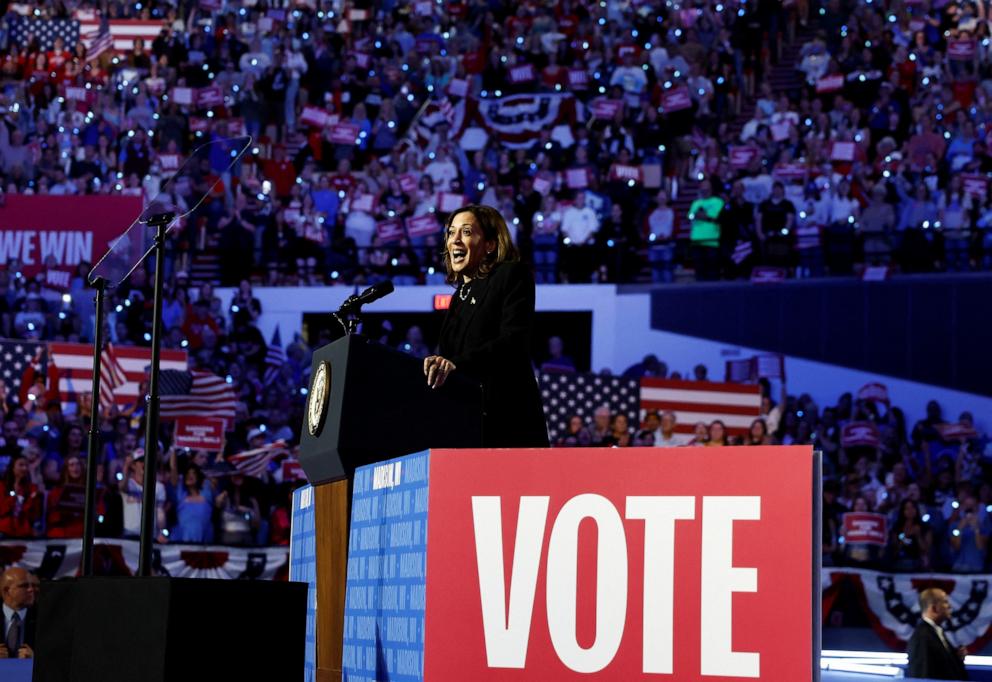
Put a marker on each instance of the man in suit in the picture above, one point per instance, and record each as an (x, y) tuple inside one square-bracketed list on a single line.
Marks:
[(19, 590), (931, 655)]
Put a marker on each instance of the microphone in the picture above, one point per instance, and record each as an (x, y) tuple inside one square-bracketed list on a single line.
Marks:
[(373, 293)]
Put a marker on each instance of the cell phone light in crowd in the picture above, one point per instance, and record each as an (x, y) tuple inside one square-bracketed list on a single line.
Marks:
[(850, 219), (499, 93), (602, 90), (304, 391), (184, 343), (32, 397), (567, 241), (394, 262), (652, 237), (165, 532), (229, 379), (67, 298), (925, 518), (120, 476), (631, 183), (99, 518), (148, 336), (955, 504), (610, 243), (926, 224), (31, 326), (260, 196), (61, 316), (956, 533)]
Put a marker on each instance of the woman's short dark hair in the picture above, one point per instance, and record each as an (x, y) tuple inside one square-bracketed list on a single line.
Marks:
[(493, 228)]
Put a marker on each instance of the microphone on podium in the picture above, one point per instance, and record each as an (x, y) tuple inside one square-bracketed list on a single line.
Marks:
[(373, 293)]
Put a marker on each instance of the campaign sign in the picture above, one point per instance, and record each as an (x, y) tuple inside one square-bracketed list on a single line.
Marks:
[(842, 151), (676, 99), (770, 366), (343, 133), (605, 108), (768, 275), (864, 528), (422, 225), (863, 434), (975, 185), (742, 157), (211, 96), (69, 229), (961, 50), (389, 230), (315, 117), (539, 567), (199, 433), (522, 73), (830, 83)]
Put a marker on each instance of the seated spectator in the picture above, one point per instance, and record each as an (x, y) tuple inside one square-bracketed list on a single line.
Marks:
[(18, 617), (557, 361), (717, 434), (576, 436), (21, 502), (65, 503)]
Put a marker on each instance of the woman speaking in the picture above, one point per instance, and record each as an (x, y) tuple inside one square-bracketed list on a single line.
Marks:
[(486, 332)]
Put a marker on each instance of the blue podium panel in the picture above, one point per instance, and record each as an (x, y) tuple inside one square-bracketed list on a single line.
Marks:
[(387, 562), (16, 669), (303, 567)]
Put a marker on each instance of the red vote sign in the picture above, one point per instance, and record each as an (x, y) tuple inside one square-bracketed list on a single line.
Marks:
[(685, 564)]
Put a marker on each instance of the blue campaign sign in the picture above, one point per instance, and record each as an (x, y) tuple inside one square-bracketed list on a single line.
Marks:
[(303, 568), (387, 562)]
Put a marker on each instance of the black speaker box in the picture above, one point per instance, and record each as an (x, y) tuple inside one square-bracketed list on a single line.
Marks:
[(170, 630)]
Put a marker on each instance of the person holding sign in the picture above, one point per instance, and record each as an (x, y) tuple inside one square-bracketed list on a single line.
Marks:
[(486, 332)]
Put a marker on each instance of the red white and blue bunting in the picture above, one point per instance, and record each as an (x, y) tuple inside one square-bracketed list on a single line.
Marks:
[(891, 603), (53, 559)]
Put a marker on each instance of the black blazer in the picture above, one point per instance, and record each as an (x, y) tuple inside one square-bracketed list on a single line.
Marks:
[(30, 619), (929, 658), (487, 337)]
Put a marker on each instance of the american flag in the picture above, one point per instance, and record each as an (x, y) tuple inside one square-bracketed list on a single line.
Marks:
[(256, 462), (22, 30), (275, 358), (112, 376), (96, 38), (123, 32), (195, 394), (15, 358), (75, 366), (565, 395)]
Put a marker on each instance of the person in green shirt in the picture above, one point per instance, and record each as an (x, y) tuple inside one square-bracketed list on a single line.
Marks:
[(704, 215)]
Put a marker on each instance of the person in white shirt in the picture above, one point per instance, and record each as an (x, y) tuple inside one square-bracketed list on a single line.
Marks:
[(132, 493), (442, 170), (579, 225)]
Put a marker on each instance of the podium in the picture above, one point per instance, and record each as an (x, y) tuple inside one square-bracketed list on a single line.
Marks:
[(366, 403)]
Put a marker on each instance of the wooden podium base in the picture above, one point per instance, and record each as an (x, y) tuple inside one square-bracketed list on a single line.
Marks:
[(331, 526)]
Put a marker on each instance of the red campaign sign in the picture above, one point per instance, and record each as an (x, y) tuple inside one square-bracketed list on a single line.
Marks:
[(292, 470), (522, 73), (859, 434), (830, 83), (547, 570), (343, 133), (168, 162), (676, 99), (790, 172), (57, 279), (422, 225), (315, 117), (956, 431), (199, 433), (842, 151), (408, 183), (198, 124), (577, 178), (208, 97), (66, 229), (578, 79), (961, 50), (742, 157), (975, 185), (768, 275), (874, 391), (624, 173), (605, 109), (864, 528), (390, 230)]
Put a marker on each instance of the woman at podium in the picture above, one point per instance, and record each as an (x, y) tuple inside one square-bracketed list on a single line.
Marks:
[(486, 332)]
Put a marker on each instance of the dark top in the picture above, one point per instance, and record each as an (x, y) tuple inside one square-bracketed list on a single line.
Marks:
[(27, 628), (487, 337), (929, 658)]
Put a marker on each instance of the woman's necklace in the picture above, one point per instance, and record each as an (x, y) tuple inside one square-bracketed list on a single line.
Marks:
[(464, 290)]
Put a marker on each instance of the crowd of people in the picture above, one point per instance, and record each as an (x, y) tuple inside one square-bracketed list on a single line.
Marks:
[(876, 155)]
